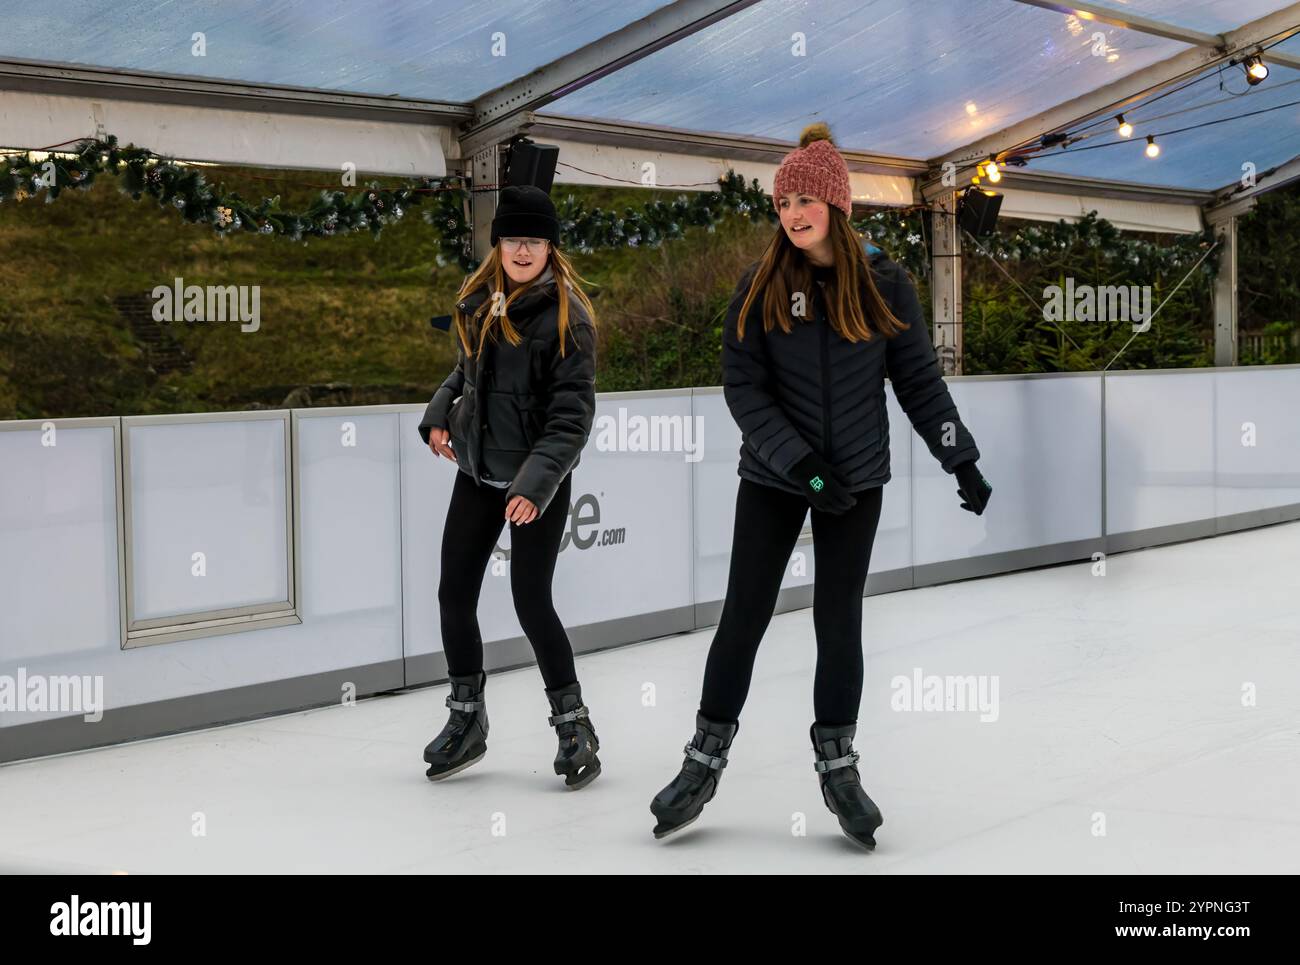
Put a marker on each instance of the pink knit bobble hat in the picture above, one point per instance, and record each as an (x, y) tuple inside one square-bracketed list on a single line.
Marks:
[(815, 168)]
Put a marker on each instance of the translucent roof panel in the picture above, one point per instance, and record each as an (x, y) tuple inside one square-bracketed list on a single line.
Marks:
[(429, 49), (1207, 16), (1289, 46), (888, 77), (1206, 158)]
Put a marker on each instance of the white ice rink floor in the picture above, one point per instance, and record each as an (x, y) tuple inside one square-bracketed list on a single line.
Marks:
[(1125, 741)]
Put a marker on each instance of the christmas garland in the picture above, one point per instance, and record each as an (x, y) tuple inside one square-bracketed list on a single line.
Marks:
[(184, 188), (171, 184), (658, 221), (903, 235)]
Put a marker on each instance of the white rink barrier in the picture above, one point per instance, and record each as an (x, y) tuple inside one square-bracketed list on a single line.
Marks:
[(204, 568)]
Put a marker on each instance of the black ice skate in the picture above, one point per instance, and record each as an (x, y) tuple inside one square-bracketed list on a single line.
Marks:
[(463, 742), (576, 756), (681, 802), (837, 765)]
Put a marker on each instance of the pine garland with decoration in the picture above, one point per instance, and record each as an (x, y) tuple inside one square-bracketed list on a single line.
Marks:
[(183, 188), (141, 173), (903, 235), (655, 222)]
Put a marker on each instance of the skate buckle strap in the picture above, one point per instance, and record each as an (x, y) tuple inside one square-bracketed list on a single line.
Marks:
[(695, 754), (465, 706), (577, 712), (847, 761)]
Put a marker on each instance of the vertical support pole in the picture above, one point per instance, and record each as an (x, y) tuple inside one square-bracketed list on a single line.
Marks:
[(945, 284), (1225, 294), (487, 168)]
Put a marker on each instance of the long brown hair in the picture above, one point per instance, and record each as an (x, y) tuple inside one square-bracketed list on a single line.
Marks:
[(784, 269), (482, 324)]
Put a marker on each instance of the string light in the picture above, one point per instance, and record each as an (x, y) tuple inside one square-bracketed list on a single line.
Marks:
[(1153, 149), (1256, 71)]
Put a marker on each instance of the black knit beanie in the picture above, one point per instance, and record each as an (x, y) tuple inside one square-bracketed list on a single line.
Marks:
[(525, 211)]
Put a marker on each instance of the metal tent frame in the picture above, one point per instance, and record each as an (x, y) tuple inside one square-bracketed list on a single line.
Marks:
[(435, 137)]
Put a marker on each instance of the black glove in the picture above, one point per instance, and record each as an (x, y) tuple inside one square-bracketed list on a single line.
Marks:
[(973, 488), (825, 488)]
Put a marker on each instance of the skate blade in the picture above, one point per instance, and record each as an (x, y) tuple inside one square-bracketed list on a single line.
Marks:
[(867, 844), (457, 769), (864, 839), (589, 774), (659, 835)]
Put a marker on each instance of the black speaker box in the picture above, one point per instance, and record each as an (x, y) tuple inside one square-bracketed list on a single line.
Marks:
[(977, 211), (531, 163)]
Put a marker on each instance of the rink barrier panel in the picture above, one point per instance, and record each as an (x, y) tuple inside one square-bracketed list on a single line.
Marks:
[(178, 715), (382, 628)]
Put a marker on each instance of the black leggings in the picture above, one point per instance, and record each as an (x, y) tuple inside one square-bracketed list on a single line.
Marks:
[(768, 521), (475, 518)]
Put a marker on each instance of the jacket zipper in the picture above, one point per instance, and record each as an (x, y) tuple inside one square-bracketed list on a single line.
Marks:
[(826, 389)]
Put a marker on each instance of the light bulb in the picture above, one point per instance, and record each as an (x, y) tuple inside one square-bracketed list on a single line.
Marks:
[(1125, 128), (1153, 148)]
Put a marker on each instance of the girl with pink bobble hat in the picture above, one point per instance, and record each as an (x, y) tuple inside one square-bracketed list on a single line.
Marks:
[(813, 328)]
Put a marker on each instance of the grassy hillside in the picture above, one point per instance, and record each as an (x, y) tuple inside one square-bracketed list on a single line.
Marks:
[(346, 317), (344, 320)]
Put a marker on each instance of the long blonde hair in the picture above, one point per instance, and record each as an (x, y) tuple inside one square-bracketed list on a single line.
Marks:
[(784, 269), (483, 323)]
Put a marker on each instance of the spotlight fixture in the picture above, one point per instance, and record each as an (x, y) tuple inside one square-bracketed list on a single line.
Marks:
[(1256, 69)]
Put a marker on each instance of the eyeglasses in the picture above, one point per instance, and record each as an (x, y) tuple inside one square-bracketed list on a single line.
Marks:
[(532, 244)]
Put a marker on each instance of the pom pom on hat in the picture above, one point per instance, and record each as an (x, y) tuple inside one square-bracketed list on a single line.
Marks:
[(815, 132)]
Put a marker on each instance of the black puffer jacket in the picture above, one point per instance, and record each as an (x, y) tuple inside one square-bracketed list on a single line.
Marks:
[(812, 390), (522, 412)]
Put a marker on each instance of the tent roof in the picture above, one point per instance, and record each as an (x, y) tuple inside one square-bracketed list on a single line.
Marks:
[(889, 78), (421, 49)]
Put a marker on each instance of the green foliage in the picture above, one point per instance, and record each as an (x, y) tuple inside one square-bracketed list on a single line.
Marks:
[(347, 315), (651, 223), (1005, 282), (662, 320), (184, 188), (1268, 280), (351, 309)]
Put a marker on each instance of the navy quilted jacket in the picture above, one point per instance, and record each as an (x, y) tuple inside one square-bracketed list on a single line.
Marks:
[(812, 390)]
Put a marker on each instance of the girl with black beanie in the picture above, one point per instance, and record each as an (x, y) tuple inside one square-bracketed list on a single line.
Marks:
[(813, 328), (513, 416)]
